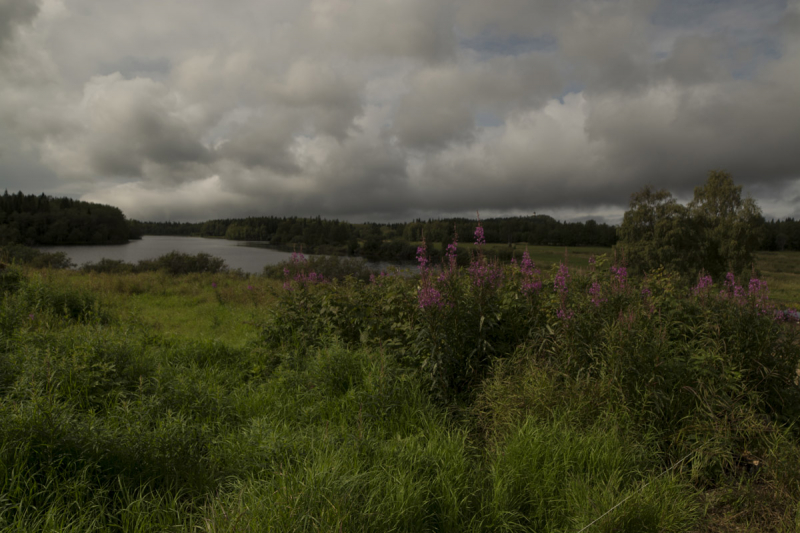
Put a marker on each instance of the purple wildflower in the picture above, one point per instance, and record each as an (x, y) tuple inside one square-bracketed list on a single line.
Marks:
[(213, 284), (530, 275), (422, 258), (565, 314), (702, 284), (787, 315), (596, 293), (561, 279), (620, 277), (485, 274), (527, 267), (452, 256), (757, 288), (429, 296), (31, 316), (480, 239)]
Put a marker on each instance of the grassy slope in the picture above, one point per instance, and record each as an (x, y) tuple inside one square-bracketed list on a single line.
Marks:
[(189, 307), (182, 306), (344, 441)]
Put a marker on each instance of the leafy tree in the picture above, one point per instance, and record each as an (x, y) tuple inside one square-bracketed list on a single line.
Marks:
[(657, 231), (729, 226), (717, 232)]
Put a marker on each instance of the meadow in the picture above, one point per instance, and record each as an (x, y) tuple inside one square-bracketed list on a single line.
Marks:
[(538, 396)]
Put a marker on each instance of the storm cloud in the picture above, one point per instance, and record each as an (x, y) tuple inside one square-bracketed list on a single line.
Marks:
[(392, 109)]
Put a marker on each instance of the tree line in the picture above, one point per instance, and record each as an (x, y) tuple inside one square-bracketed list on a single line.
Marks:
[(315, 233), (45, 220)]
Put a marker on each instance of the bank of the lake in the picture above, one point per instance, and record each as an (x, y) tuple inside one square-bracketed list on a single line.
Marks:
[(237, 254)]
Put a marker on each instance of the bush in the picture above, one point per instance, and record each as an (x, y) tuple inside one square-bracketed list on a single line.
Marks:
[(10, 279), (108, 266), (24, 255), (330, 267), (177, 263)]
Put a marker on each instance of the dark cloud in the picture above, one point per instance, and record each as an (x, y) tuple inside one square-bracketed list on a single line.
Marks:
[(14, 13), (387, 109)]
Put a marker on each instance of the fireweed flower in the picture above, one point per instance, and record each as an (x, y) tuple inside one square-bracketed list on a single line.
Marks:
[(702, 284), (759, 293), (451, 254), (480, 239), (596, 293), (560, 287), (422, 258), (565, 314), (484, 273), (429, 296), (787, 315), (620, 279), (561, 279), (530, 275), (757, 288)]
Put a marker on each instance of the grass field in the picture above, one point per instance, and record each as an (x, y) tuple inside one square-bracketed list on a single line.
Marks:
[(188, 306), (200, 402)]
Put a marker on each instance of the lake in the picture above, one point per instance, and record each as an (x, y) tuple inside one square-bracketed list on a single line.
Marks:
[(235, 253)]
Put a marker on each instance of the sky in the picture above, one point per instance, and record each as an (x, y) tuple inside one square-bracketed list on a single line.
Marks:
[(389, 110)]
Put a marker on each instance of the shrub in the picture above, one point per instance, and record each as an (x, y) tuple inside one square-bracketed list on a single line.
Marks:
[(330, 267), (24, 255), (177, 263), (10, 279), (109, 266)]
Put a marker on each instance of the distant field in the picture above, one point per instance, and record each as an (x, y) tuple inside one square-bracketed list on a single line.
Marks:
[(189, 306), (781, 270)]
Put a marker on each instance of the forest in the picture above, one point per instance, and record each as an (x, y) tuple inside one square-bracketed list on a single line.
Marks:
[(45, 220), (321, 235), (386, 240)]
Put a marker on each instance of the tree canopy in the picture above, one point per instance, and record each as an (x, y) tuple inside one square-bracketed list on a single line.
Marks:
[(31, 220), (718, 231)]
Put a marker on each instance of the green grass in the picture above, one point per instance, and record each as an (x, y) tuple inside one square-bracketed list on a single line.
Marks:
[(149, 402), (781, 270), (186, 307)]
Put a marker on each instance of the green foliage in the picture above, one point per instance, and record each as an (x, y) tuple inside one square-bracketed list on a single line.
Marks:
[(31, 219), (177, 263), (174, 263), (656, 231), (729, 227), (23, 255), (330, 267), (512, 401), (717, 232), (10, 278)]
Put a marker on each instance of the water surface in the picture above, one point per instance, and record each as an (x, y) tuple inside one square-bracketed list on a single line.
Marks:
[(235, 253)]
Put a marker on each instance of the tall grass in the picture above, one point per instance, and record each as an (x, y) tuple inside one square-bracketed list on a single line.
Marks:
[(485, 398)]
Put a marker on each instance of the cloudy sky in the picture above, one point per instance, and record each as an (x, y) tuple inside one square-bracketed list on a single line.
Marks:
[(393, 109)]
